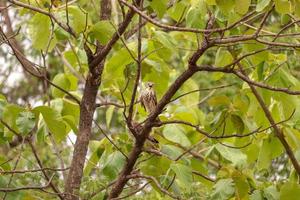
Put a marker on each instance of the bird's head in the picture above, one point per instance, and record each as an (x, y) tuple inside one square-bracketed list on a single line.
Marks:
[(149, 85)]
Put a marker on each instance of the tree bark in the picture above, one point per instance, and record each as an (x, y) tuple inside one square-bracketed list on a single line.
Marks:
[(87, 109), (88, 103)]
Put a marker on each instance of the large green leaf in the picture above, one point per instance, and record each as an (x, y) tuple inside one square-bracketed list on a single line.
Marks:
[(94, 158), (53, 121), (177, 11), (271, 193), (238, 123), (113, 165), (225, 5), (290, 191), (39, 31), (270, 149), (195, 17), (175, 133), (156, 166), (223, 58), (159, 6), (242, 6), (262, 4), (241, 186), (77, 18), (235, 156), (25, 122), (109, 114), (223, 190), (103, 31), (10, 114), (183, 173), (63, 82), (172, 151), (2, 105), (297, 8), (283, 6)]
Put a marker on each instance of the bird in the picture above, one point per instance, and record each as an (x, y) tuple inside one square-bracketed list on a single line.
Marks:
[(149, 102), (148, 98)]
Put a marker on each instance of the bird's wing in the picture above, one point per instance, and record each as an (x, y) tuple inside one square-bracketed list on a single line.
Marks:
[(142, 101), (154, 98)]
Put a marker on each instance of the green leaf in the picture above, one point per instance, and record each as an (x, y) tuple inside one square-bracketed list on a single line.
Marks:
[(211, 2), (236, 157), (78, 20), (159, 6), (172, 151), (242, 187), (102, 31), (183, 173), (164, 39), (109, 114), (195, 17), (277, 58), (262, 4), (25, 122), (223, 58), (10, 114), (242, 6), (223, 190), (63, 82), (155, 166), (178, 10), (271, 193), (39, 31), (94, 158), (225, 5), (238, 123), (270, 149), (259, 57), (257, 195), (4, 165), (175, 133), (290, 191), (53, 121), (283, 6), (115, 65), (113, 165), (219, 100), (297, 8), (70, 108), (69, 119), (2, 105)]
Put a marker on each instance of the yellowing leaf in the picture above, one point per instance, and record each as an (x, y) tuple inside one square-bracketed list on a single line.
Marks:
[(242, 6), (283, 6), (225, 5), (290, 191), (262, 4)]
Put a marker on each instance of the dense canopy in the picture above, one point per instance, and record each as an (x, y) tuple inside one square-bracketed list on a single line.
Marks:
[(226, 77)]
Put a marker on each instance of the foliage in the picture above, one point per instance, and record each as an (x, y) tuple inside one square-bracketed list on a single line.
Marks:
[(216, 138)]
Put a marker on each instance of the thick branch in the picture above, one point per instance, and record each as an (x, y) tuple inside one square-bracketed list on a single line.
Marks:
[(88, 104)]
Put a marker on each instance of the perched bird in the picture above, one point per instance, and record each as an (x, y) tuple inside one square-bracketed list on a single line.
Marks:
[(148, 98), (148, 101)]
